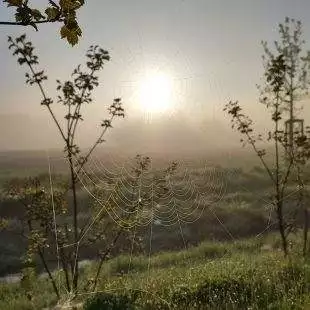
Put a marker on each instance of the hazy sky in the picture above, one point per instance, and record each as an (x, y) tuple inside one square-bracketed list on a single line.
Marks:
[(211, 49)]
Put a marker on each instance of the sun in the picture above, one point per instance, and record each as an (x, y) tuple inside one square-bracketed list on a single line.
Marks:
[(155, 93)]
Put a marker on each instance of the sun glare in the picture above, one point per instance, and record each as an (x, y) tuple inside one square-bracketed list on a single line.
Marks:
[(155, 93)]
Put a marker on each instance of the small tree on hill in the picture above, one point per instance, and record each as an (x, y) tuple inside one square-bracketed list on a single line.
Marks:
[(286, 81), (277, 175)]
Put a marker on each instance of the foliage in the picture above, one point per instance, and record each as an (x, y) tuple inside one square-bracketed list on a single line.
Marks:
[(41, 209), (65, 12), (296, 79)]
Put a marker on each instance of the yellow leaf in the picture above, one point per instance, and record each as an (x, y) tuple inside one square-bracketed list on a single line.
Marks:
[(72, 35)]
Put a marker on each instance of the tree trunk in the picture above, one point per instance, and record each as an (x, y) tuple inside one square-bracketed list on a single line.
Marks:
[(306, 228), (281, 227), (49, 273), (75, 276)]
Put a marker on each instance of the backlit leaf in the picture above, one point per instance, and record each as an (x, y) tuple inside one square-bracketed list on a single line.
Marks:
[(52, 13), (72, 35)]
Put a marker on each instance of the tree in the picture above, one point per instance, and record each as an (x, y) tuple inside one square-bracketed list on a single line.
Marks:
[(302, 156), (296, 87), (65, 12), (243, 124), (74, 95), (286, 81), (296, 79)]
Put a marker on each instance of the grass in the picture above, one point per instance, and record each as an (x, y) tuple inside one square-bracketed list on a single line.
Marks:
[(213, 275), (249, 274), (218, 276), (13, 296)]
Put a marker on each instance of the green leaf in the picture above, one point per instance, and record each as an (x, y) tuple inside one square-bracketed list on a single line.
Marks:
[(37, 14), (72, 35), (18, 17), (23, 14), (52, 13), (69, 5)]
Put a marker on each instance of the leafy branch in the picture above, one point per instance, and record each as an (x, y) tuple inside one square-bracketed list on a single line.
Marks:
[(74, 94), (64, 12)]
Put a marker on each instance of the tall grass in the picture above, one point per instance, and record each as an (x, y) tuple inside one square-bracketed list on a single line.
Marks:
[(213, 275)]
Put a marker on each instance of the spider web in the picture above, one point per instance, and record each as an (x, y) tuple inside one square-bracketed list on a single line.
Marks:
[(185, 202), (191, 192)]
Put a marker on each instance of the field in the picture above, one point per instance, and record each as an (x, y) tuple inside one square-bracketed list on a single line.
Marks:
[(239, 275), (227, 255)]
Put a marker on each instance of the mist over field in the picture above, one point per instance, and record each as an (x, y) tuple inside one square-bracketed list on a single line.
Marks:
[(32, 133)]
